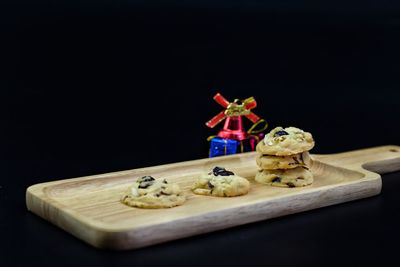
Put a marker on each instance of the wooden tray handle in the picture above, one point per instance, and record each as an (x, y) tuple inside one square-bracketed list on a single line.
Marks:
[(382, 159), (383, 166)]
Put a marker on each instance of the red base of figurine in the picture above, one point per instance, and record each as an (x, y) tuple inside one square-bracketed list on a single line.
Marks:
[(233, 129)]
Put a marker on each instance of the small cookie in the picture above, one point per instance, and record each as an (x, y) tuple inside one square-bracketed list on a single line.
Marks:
[(221, 183), (297, 177), (150, 193), (267, 162), (285, 142)]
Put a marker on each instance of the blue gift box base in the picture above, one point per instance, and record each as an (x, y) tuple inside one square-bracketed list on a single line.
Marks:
[(220, 146)]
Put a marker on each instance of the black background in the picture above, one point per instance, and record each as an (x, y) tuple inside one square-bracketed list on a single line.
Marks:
[(97, 86)]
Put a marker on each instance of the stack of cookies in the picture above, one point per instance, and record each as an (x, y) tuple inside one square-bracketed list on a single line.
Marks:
[(283, 158)]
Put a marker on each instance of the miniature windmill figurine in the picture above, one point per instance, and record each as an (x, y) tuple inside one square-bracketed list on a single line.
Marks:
[(233, 135), (233, 128)]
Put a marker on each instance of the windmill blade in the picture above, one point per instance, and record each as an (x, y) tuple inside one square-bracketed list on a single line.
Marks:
[(216, 119), (221, 100), (253, 117)]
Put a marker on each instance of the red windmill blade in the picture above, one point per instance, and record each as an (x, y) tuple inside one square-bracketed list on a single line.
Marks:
[(216, 119), (221, 100), (220, 116), (249, 104), (253, 117)]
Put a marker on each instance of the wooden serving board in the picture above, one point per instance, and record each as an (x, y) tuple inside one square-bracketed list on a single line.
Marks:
[(89, 207)]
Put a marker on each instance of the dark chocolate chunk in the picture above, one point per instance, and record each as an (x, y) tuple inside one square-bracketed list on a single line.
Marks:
[(210, 185), (147, 178), (290, 184), (218, 171), (276, 180), (226, 173), (146, 181), (280, 133), (143, 185), (165, 181)]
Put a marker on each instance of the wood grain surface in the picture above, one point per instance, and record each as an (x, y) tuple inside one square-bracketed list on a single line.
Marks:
[(89, 207)]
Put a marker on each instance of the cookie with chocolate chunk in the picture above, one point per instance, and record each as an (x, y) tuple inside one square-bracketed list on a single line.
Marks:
[(221, 183), (150, 193), (267, 162), (297, 177), (285, 141)]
